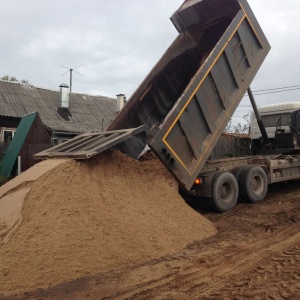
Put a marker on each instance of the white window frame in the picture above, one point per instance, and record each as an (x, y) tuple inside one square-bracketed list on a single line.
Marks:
[(7, 130)]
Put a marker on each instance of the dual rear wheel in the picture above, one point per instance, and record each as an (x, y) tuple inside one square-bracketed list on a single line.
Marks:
[(245, 183), (253, 183)]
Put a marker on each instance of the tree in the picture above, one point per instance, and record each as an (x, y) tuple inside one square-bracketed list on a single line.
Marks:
[(239, 127), (24, 81), (13, 79)]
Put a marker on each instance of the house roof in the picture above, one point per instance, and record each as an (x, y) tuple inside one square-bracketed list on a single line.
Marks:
[(89, 113)]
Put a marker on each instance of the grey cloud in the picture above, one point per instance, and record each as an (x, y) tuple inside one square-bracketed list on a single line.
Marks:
[(120, 41)]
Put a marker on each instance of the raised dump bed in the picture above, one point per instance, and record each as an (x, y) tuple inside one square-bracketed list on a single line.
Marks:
[(192, 92)]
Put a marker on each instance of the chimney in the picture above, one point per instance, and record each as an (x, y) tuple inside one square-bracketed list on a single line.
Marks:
[(63, 108), (64, 95), (120, 102)]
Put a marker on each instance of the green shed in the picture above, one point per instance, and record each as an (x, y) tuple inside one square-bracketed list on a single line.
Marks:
[(30, 138)]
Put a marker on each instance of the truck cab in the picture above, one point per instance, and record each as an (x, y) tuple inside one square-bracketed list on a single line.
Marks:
[(282, 123)]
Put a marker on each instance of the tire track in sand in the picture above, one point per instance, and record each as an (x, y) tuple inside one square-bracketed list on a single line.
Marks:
[(224, 278)]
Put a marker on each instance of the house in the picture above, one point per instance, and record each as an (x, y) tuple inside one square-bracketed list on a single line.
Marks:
[(63, 115), (31, 137)]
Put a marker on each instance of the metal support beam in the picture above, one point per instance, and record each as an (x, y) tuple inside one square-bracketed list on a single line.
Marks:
[(260, 123)]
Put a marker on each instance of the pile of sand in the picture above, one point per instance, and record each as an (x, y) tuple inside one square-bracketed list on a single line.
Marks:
[(82, 218)]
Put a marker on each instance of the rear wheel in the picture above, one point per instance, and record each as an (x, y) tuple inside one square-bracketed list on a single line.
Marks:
[(237, 171), (253, 184), (224, 191)]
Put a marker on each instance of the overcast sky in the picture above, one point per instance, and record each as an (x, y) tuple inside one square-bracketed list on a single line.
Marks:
[(118, 42)]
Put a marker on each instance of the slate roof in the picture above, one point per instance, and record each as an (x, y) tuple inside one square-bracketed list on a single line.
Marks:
[(88, 112)]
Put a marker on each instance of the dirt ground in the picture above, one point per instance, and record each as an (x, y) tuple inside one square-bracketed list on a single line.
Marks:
[(254, 255)]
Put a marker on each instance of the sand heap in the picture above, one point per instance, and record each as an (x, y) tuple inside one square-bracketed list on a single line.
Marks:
[(82, 218)]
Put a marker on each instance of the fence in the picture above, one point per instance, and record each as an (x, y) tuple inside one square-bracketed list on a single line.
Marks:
[(232, 145)]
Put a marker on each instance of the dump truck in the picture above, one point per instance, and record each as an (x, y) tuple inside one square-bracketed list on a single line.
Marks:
[(184, 104)]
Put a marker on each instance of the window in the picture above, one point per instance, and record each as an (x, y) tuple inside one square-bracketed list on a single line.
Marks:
[(7, 135), (277, 119), (54, 142), (57, 141)]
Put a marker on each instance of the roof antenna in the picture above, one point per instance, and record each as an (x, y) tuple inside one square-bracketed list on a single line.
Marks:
[(71, 71)]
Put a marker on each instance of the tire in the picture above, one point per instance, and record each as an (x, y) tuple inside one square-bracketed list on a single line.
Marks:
[(237, 171), (224, 190), (253, 184)]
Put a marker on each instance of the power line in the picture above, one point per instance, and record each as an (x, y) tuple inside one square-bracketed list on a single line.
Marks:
[(241, 113), (287, 87), (276, 90)]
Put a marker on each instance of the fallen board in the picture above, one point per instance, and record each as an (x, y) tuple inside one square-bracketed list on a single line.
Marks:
[(89, 144)]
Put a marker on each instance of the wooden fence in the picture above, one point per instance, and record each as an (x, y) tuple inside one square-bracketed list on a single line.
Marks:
[(232, 145)]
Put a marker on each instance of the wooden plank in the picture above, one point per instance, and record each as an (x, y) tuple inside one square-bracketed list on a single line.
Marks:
[(90, 144)]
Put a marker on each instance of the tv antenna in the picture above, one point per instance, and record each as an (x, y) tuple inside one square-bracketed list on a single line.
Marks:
[(71, 70)]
